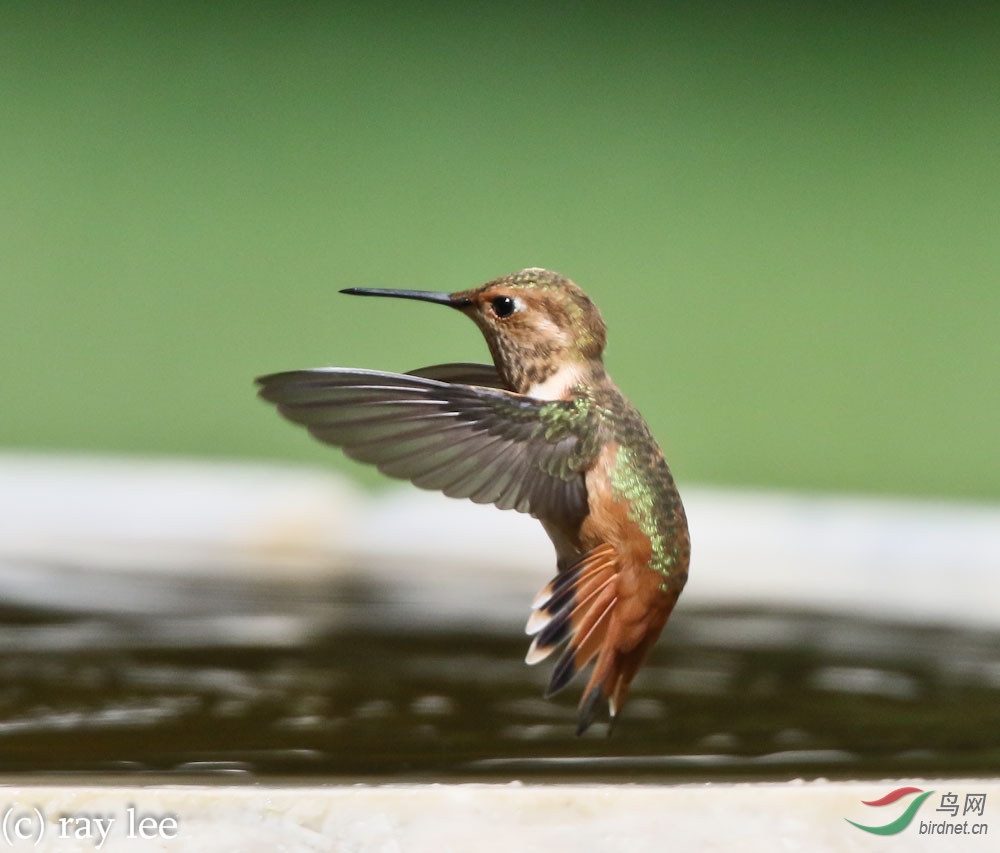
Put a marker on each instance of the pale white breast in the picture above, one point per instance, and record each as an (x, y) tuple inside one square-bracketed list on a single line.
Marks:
[(557, 386)]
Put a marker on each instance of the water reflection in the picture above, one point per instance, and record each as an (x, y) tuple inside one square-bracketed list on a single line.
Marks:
[(735, 694)]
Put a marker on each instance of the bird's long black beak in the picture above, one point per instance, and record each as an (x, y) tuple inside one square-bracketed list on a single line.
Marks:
[(422, 295)]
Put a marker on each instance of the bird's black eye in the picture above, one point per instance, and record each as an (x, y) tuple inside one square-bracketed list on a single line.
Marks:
[(503, 306)]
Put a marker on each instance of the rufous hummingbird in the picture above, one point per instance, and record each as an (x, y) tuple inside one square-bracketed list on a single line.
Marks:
[(542, 430)]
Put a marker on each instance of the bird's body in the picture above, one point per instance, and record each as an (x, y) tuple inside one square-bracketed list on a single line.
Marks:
[(545, 431)]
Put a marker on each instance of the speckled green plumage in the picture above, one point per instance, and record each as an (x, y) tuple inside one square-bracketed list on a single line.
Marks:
[(648, 497), (641, 476), (576, 418)]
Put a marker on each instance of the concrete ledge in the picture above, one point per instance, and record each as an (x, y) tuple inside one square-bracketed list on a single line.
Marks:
[(487, 818), (111, 533)]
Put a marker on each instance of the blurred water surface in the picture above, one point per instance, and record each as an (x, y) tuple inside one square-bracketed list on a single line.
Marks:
[(726, 694)]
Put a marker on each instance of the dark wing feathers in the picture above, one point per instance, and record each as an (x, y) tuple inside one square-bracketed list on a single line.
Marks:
[(468, 441), (462, 373)]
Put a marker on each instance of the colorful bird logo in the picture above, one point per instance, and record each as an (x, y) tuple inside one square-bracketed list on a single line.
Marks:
[(901, 822)]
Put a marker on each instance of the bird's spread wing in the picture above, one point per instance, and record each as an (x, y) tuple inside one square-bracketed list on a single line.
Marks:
[(463, 373), (489, 445)]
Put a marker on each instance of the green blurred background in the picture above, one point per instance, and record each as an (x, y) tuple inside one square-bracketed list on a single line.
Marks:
[(788, 214)]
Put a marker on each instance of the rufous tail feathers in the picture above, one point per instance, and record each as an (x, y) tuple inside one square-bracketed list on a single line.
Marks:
[(602, 615)]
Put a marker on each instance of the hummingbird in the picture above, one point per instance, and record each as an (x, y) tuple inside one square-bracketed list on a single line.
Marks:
[(544, 431)]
